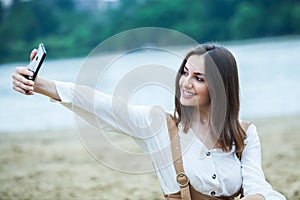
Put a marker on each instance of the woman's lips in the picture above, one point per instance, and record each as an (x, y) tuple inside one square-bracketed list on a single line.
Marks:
[(187, 94)]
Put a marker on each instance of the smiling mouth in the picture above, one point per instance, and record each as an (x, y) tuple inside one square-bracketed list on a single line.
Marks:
[(187, 94)]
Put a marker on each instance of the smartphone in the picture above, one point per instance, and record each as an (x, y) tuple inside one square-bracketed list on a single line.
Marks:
[(37, 61)]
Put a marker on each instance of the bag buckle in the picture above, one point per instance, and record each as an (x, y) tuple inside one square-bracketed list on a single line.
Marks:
[(182, 175)]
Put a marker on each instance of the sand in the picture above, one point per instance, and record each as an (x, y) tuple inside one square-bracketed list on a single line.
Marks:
[(55, 165)]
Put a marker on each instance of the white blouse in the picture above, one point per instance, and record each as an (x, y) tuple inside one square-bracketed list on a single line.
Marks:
[(211, 172)]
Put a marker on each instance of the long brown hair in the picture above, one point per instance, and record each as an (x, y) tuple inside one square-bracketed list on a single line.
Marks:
[(223, 84)]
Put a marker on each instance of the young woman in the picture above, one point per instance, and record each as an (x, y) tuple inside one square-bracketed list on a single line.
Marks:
[(217, 157)]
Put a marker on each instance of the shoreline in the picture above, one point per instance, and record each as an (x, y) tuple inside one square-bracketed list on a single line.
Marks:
[(55, 165)]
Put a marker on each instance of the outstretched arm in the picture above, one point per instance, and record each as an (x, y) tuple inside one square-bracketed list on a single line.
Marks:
[(101, 110), (28, 87)]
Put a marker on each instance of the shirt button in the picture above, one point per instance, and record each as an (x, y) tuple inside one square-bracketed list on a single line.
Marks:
[(214, 176), (208, 153), (212, 193)]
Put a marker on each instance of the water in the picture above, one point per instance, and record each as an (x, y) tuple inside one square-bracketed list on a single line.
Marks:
[(269, 77), (30, 113)]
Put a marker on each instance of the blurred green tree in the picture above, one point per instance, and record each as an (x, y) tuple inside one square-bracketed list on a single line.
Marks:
[(67, 31)]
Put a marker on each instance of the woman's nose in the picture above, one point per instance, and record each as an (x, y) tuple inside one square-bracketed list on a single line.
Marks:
[(187, 83)]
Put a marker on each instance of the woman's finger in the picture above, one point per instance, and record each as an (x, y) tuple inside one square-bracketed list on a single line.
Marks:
[(19, 84), (22, 79), (19, 90), (19, 81), (23, 71), (32, 54), (17, 87), (27, 92)]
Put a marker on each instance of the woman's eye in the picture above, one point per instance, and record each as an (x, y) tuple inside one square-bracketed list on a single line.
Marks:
[(199, 79), (183, 72)]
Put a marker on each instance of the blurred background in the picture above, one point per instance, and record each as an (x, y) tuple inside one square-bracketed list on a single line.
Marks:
[(263, 35), (73, 27)]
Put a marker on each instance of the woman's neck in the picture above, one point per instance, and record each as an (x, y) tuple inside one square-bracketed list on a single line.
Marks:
[(201, 116), (201, 127)]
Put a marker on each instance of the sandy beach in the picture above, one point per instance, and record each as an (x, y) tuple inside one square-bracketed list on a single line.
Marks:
[(55, 165)]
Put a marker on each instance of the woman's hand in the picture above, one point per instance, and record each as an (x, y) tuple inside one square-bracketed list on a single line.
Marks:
[(19, 82), (28, 87)]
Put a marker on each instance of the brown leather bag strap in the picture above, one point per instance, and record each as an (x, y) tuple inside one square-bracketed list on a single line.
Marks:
[(181, 177)]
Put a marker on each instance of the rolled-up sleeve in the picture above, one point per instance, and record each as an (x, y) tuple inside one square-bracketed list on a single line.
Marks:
[(254, 181), (110, 113)]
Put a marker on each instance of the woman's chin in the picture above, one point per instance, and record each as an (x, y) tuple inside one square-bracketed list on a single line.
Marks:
[(185, 102)]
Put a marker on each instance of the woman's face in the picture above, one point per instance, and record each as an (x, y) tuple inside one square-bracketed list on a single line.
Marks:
[(192, 83)]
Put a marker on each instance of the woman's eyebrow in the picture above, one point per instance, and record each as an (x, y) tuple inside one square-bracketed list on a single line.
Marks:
[(199, 74), (196, 73)]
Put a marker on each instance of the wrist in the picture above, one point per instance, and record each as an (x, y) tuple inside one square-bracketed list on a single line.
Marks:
[(38, 83), (46, 87)]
